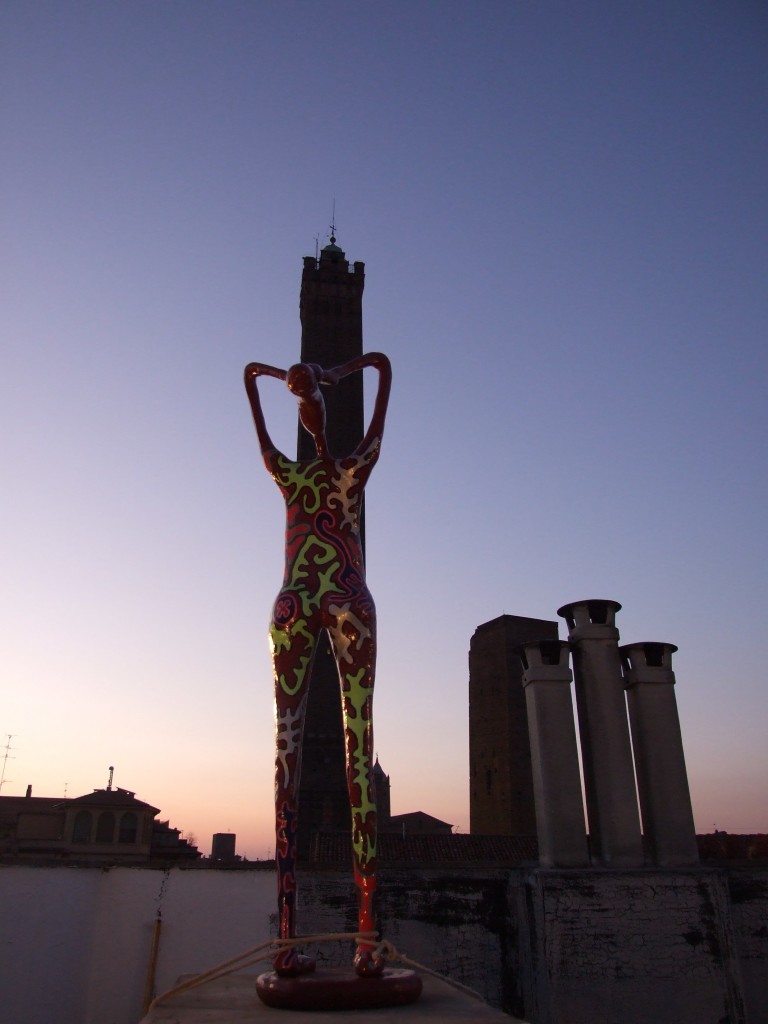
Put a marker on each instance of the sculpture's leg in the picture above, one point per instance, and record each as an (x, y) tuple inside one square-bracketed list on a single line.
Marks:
[(366, 963), (354, 640), (292, 650)]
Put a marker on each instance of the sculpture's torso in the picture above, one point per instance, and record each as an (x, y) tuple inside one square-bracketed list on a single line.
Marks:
[(323, 547)]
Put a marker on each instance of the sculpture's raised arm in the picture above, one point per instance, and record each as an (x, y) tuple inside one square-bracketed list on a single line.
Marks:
[(381, 363), (252, 372)]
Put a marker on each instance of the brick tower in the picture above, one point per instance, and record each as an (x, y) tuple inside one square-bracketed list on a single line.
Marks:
[(500, 774), (331, 310)]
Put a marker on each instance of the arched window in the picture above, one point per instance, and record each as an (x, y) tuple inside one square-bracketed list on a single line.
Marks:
[(105, 827), (81, 833), (129, 827)]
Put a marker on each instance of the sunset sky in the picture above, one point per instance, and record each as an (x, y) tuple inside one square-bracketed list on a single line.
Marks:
[(562, 212)]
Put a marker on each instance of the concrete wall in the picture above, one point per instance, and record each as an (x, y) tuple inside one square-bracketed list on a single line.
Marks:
[(631, 947), (455, 923), (749, 913), (682, 947), (75, 942)]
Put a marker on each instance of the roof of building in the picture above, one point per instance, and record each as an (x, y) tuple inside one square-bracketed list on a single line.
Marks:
[(12, 806), (438, 849), (419, 819), (724, 846), (116, 797)]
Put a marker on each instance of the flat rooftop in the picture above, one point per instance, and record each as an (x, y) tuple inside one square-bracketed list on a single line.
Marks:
[(233, 1000)]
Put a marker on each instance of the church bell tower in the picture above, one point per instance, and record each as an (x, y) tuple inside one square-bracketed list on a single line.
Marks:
[(331, 310)]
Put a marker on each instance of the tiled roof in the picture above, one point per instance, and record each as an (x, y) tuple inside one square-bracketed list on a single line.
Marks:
[(336, 848)]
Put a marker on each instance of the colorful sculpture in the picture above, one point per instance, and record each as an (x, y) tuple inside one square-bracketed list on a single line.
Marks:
[(324, 588)]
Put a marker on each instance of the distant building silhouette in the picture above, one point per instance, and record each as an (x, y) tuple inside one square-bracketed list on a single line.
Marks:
[(383, 801), (223, 846), (417, 823), (500, 779), (104, 826)]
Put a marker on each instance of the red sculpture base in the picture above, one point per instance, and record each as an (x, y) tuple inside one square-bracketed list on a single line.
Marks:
[(339, 988)]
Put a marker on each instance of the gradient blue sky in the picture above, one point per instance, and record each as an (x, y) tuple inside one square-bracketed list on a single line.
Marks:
[(562, 212)]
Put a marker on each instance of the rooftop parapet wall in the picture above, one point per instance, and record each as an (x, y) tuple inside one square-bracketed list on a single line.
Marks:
[(623, 947), (456, 922), (668, 947)]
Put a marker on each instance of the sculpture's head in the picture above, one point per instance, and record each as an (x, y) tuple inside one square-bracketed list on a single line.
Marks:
[(302, 381)]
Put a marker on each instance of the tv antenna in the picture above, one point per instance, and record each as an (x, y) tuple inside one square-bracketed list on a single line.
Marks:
[(7, 754)]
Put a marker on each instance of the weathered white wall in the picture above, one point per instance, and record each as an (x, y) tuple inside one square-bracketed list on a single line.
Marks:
[(75, 942)]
